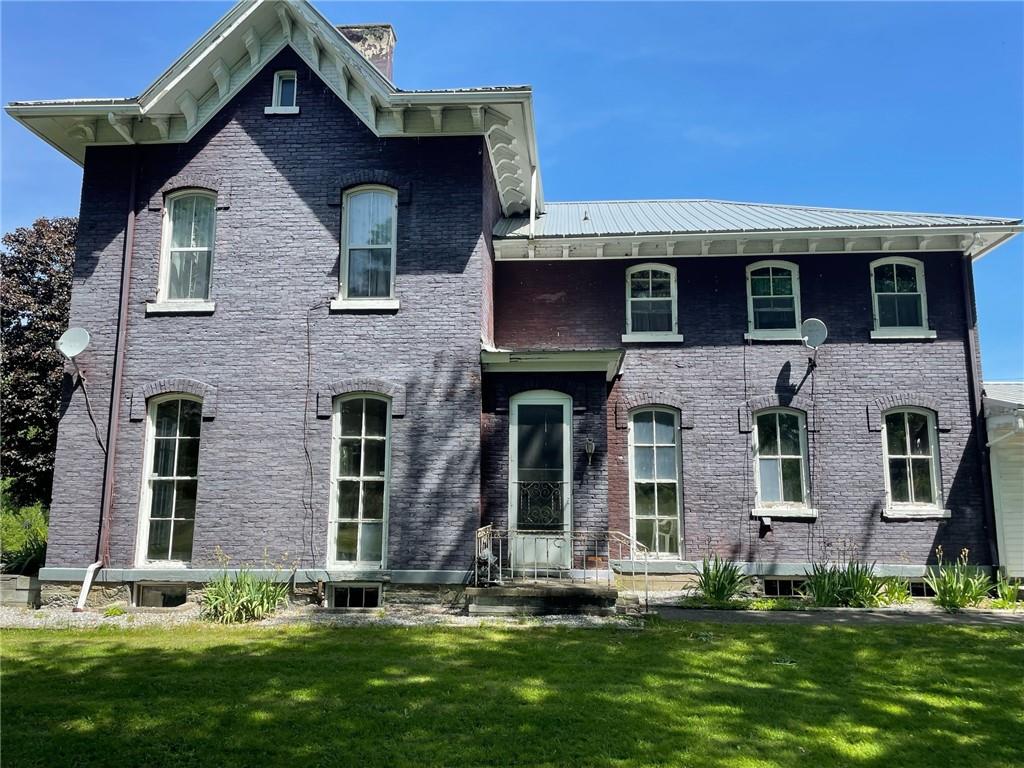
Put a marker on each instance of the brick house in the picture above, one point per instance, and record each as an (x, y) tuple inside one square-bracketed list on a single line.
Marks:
[(335, 326)]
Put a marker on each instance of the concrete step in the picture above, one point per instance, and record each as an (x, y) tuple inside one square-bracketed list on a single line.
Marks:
[(542, 598)]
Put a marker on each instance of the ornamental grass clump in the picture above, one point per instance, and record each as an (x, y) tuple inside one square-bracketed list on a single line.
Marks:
[(894, 590), (853, 585), (720, 581), (245, 597), (1007, 594), (957, 585)]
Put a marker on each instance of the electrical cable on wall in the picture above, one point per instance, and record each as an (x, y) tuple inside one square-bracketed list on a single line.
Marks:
[(307, 496)]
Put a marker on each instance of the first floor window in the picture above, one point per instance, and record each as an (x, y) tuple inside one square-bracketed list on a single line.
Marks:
[(655, 480), (360, 478), (780, 449), (172, 478), (651, 299), (188, 246), (773, 296), (911, 468), (897, 287)]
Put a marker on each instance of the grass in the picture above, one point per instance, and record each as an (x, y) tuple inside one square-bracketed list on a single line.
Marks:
[(681, 694)]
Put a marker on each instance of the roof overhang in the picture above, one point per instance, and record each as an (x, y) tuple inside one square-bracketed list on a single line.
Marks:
[(213, 70), (972, 241), (606, 361)]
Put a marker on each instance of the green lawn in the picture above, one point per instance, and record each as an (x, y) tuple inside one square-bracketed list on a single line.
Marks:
[(681, 695)]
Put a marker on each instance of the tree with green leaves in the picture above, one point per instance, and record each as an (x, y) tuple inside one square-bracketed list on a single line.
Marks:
[(36, 265)]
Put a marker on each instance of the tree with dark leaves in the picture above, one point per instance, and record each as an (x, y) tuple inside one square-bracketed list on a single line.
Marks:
[(35, 294)]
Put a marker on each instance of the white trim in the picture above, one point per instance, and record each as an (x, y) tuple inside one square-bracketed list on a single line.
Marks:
[(895, 510), (606, 361), (182, 306), (280, 110), (901, 331), (341, 305), (163, 287), (648, 338), (679, 478), (785, 513), (357, 565), (909, 513), (673, 299), (345, 246), (284, 74), (539, 397), (774, 333), (784, 508)]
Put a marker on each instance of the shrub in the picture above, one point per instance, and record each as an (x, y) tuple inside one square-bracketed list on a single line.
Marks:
[(22, 536), (1007, 593), (245, 597), (114, 611), (894, 590), (957, 585), (853, 585), (720, 580), (824, 585)]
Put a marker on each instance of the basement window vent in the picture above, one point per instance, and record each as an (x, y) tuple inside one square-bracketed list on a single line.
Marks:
[(160, 595), (783, 587), (921, 589), (362, 596)]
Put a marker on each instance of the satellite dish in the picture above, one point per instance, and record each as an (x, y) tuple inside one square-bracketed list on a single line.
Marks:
[(813, 332), (73, 342)]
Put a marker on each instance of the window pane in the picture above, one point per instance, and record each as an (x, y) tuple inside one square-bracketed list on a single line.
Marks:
[(181, 542), (888, 316), (770, 481), (376, 417), (188, 456), (767, 435), (286, 92), (369, 273), (163, 456), (651, 316), (667, 500), (370, 541), (189, 276), (645, 533), (918, 426), (167, 418), (185, 499), (885, 279), (640, 285), (899, 485), (163, 498), (774, 313), (202, 224), (906, 278), (346, 541), (782, 283), (352, 417), (661, 285), (908, 310), (182, 213), (643, 428), (664, 428), (348, 499), (369, 218), (159, 539), (191, 418), (349, 453), (373, 500), (760, 286), (792, 484), (643, 499), (666, 458), (895, 434), (668, 538), (644, 463), (789, 434), (379, 279), (922, 471), (373, 458)]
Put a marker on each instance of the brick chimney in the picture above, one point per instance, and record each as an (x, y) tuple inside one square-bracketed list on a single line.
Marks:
[(375, 41)]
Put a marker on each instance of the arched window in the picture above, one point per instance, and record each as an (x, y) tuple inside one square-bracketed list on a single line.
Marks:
[(654, 479), (360, 463), (171, 480), (188, 239), (369, 232), (780, 459), (773, 300), (651, 306), (910, 447), (898, 298)]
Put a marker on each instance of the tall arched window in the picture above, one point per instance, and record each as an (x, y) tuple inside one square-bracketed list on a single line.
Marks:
[(910, 447), (188, 238), (369, 233), (780, 459), (168, 504), (651, 305), (899, 302), (773, 300), (360, 469), (654, 479)]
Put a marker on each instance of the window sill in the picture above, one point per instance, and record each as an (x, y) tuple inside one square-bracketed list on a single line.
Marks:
[(180, 307), (785, 513), (902, 334), (156, 565), (652, 338), (919, 513), (774, 335), (365, 305), (280, 110)]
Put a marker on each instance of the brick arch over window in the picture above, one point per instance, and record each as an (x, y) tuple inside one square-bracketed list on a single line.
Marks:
[(634, 400), (336, 189), (192, 181), (167, 385), (775, 400), (325, 397), (904, 400)]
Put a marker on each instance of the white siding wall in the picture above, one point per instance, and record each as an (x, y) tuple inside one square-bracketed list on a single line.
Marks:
[(1008, 493)]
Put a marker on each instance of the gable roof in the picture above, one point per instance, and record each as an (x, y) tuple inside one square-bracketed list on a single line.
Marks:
[(1009, 392), (196, 86)]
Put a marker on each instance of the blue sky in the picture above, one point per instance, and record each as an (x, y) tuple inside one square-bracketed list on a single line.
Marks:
[(916, 106)]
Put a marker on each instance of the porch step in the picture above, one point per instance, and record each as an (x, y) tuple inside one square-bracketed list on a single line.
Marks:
[(542, 599)]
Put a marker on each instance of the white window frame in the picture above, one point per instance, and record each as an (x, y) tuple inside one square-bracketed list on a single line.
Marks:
[(164, 304), (276, 107), (903, 331), (897, 510), (344, 301), (774, 334), (679, 479), (782, 509), (648, 336), (332, 527), (146, 494)]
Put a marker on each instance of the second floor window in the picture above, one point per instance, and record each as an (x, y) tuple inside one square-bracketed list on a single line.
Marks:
[(773, 299), (651, 300), (188, 246), (368, 243), (897, 289)]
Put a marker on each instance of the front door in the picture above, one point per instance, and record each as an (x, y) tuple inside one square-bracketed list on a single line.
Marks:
[(540, 480)]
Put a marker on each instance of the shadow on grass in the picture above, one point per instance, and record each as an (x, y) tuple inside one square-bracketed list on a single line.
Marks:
[(670, 695)]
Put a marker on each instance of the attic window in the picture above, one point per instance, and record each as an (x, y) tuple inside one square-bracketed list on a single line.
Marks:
[(285, 100)]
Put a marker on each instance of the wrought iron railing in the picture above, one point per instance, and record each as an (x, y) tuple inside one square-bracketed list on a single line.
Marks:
[(505, 555)]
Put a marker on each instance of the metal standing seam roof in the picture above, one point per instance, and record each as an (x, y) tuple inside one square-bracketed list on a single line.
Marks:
[(654, 217), (1005, 391)]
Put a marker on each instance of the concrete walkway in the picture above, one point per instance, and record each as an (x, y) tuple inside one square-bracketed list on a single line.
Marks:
[(839, 616)]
